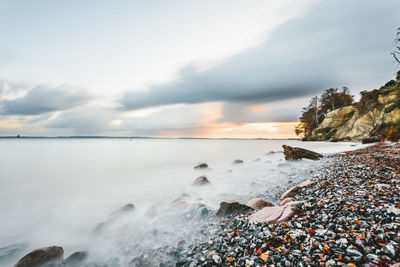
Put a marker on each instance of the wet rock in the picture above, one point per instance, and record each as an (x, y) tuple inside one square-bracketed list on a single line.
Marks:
[(292, 192), (201, 166), (232, 208), (76, 259), (41, 256), (128, 208), (286, 200), (238, 161), (273, 214), (295, 153), (202, 180), (259, 203)]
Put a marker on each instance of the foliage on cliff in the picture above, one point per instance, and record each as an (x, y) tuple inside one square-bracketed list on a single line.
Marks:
[(375, 116)]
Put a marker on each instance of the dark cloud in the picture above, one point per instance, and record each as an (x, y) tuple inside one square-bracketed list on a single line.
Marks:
[(43, 99), (84, 120), (335, 43)]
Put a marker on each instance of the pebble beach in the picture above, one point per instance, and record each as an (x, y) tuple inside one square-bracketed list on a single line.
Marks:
[(349, 216)]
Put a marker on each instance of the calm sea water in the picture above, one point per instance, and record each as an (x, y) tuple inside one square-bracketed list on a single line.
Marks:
[(55, 191)]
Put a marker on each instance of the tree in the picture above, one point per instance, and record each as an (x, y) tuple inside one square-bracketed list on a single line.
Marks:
[(310, 118), (328, 99), (396, 53)]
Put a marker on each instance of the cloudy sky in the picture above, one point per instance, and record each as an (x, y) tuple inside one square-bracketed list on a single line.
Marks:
[(174, 68)]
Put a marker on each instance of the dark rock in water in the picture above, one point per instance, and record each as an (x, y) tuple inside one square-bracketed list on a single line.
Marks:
[(76, 259), (238, 161), (11, 250), (370, 140), (232, 208), (201, 166), (124, 209), (115, 216), (259, 203), (295, 153), (202, 180), (41, 256)]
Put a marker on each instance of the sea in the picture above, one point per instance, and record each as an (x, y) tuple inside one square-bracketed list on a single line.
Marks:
[(69, 191)]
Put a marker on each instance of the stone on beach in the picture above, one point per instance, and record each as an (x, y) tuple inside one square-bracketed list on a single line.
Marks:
[(273, 214), (295, 153), (259, 203), (202, 180), (41, 257), (292, 192), (286, 200), (232, 208)]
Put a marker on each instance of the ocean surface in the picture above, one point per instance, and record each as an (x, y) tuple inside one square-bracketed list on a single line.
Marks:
[(56, 191)]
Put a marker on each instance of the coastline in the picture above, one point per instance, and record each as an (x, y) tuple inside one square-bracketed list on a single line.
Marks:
[(350, 216)]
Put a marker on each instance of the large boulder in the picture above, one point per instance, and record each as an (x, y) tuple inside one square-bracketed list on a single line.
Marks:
[(273, 214), (202, 180), (259, 203), (41, 256), (295, 153), (292, 192), (232, 208)]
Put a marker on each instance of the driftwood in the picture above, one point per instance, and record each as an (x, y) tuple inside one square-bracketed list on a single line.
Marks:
[(294, 153)]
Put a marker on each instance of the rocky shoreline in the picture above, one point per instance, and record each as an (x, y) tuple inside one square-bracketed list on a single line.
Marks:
[(349, 216), (347, 213)]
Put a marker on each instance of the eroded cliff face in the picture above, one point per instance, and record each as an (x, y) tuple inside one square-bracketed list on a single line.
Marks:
[(352, 123)]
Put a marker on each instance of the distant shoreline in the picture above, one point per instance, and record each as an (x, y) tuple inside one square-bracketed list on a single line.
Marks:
[(137, 137)]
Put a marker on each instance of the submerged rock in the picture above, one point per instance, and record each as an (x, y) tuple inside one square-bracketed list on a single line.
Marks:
[(41, 256), (259, 203), (295, 153), (201, 166), (76, 259), (232, 208), (202, 180), (238, 161)]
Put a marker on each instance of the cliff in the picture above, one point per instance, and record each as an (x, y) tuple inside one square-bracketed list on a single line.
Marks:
[(375, 116)]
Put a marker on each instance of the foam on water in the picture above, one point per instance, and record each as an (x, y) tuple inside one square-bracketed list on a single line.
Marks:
[(55, 191)]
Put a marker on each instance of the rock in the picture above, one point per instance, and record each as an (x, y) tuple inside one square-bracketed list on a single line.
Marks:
[(286, 200), (201, 166), (124, 209), (202, 180), (370, 140), (273, 214), (41, 256), (295, 153), (292, 192), (232, 208), (200, 210), (76, 259), (238, 161), (259, 203), (128, 208), (11, 250), (296, 204)]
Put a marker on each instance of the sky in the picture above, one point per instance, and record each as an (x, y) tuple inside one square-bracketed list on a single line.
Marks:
[(174, 68)]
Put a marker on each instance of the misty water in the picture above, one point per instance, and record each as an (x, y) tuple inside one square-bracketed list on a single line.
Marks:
[(56, 191)]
